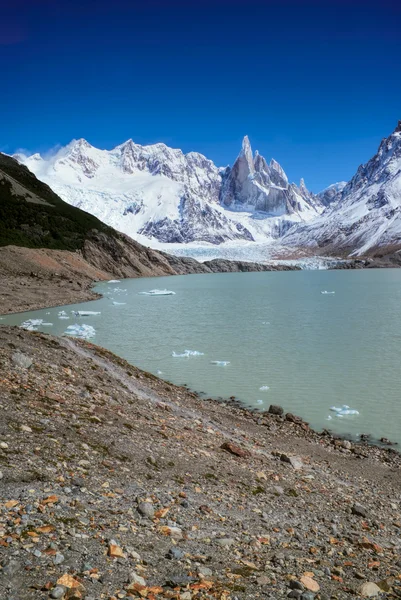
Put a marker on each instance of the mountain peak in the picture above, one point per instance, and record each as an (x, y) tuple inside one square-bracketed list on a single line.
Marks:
[(398, 128)]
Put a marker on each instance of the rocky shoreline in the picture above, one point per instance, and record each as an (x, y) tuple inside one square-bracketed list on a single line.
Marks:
[(116, 484)]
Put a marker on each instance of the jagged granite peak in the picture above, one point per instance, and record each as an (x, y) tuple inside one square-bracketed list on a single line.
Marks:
[(332, 193), (160, 193), (367, 215)]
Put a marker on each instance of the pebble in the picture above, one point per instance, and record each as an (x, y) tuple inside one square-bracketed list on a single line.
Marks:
[(146, 510), (310, 583), (226, 542), (175, 553), (359, 510), (369, 590), (135, 578), (205, 571), (58, 558), (58, 592), (3, 445), (21, 360)]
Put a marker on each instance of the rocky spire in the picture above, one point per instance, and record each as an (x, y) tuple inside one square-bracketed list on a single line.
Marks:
[(246, 153)]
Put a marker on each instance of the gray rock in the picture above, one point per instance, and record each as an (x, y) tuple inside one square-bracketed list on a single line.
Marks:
[(21, 360), (58, 592), (359, 510), (307, 596), (294, 594), (175, 553), (179, 579), (11, 567), (146, 510), (135, 578), (205, 571), (226, 542), (58, 558), (274, 409), (294, 461), (296, 585)]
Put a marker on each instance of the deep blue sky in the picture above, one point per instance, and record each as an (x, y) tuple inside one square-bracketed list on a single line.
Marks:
[(314, 83)]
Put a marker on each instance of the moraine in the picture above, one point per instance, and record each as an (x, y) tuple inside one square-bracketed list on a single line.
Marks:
[(284, 341)]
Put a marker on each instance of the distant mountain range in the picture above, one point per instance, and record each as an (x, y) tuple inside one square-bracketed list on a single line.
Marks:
[(160, 194)]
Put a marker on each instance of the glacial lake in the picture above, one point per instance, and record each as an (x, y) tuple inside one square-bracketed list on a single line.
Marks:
[(309, 350)]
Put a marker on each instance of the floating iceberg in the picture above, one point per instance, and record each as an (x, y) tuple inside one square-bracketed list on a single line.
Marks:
[(264, 388), (329, 418), (265, 322), (220, 363), (344, 410), (85, 313), (157, 293), (47, 324), (259, 401), (118, 290), (81, 331), (63, 315), (187, 354), (119, 303), (326, 292), (114, 281), (32, 324), (160, 372)]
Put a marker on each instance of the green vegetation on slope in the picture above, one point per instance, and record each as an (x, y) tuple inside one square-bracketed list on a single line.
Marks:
[(33, 216)]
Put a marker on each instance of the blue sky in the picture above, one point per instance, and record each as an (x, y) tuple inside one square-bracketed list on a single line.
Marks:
[(315, 84)]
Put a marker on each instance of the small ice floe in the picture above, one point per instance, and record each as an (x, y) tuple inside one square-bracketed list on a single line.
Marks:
[(114, 281), (342, 411), (265, 322), (325, 292), (31, 324), (81, 331), (264, 388), (62, 315), (47, 325), (187, 354), (220, 363), (85, 313), (329, 418), (158, 293), (119, 303), (259, 401), (159, 372), (118, 290)]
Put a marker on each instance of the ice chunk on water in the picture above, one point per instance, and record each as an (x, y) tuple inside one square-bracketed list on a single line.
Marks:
[(329, 418), (264, 388), (47, 324), (81, 331), (158, 293), (259, 401), (31, 324), (343, 410), (118, 290), (265, 322), (326, 292), (85, 313), (119, 303), (187, 354), (62, 315), (160, 372), (220, 363), (114, 281)]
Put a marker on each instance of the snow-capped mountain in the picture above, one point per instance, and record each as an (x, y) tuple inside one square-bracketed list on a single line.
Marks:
[(171, 197), (367, 214), (332, 193)]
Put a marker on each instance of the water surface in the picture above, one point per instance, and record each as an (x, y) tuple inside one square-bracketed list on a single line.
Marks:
[(311, 350)]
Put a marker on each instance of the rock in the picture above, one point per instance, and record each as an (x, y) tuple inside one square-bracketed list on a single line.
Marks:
[(115, 551), (310, 583), (346, 444), (296, 585), (146, 510), (226, 542), (74, 587), (294, 594), (58, 592), (236, 450), (205, 571), (135, 578), (278, 490), (294, 461), (359, 510), (308, 596), (58, 558), (26, 429), (3, 445), (1, 475), (179, 580), (369, 590), (175, 553), (21, 360), (11, 568), (275, 409)]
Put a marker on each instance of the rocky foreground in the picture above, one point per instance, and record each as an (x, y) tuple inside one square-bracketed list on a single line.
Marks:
[(116, 484)]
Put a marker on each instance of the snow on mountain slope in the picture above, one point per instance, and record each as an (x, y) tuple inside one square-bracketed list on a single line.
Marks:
[(368, 214), (332, 193), (159, 193)]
